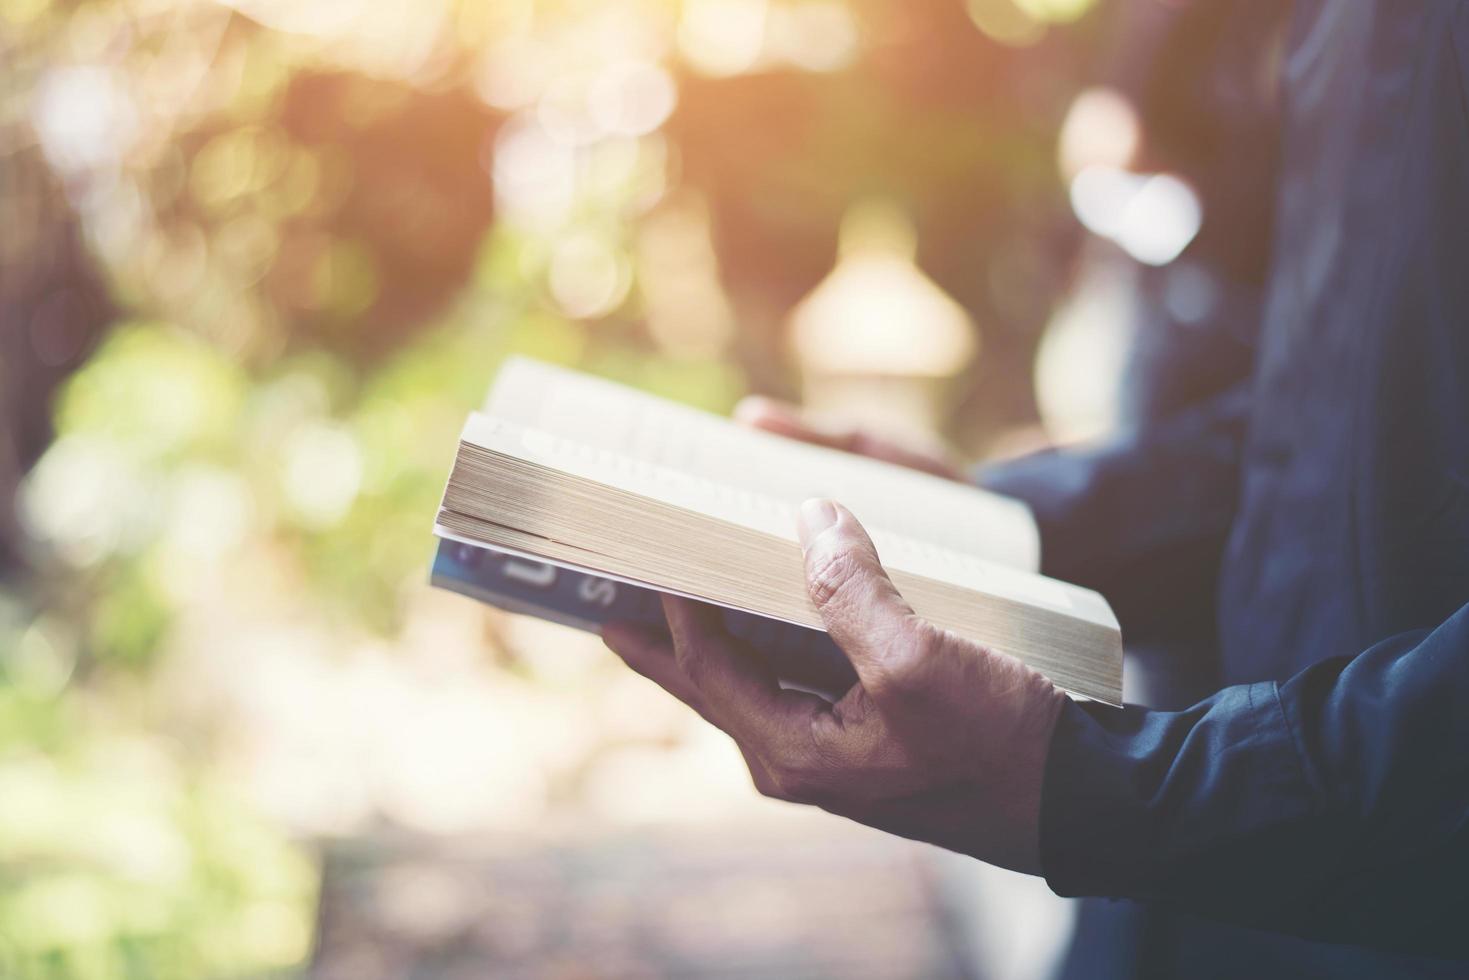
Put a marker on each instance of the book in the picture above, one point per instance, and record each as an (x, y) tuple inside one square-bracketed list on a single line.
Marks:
[(579, 500)]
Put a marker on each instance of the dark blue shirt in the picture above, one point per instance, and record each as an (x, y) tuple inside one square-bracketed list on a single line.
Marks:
[(1325, 793)]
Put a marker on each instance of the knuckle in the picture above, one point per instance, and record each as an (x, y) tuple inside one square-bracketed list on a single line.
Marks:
[(794, 784), (827, 738), (914, 645), (688, 660), (798, 776), (921, 640), (832, 575), (831, 749)]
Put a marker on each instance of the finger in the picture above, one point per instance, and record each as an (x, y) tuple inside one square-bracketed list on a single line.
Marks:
[(738, 689), (755, 410), (759, 774), (861, 608), (934, 460), (650, 653), (690, 620), (705, 653), (785, 419)]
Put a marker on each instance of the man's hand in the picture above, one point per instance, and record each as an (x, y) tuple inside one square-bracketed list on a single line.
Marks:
[(941, 740), (789, 421)]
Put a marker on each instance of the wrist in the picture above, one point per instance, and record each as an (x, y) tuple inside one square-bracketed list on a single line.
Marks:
[(1030, 778)]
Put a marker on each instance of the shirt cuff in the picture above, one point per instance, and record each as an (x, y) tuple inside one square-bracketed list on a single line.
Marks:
[(1141, 804)]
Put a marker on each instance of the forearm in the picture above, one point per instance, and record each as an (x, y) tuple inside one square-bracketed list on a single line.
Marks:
[(1334, 806), (1142, 518)]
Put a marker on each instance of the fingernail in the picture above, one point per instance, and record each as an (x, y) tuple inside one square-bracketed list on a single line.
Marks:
[(749, 407), (753, 409), (816, 516)]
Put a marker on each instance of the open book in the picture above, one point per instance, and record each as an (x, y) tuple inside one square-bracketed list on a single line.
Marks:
[(578, 500)]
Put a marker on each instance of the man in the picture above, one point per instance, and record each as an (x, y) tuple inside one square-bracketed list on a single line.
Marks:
[(1325, 793)]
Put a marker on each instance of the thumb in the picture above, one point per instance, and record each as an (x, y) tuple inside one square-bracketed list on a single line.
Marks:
[(858, 603)]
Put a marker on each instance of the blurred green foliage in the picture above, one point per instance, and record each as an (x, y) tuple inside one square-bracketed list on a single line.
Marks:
[(325, 226)]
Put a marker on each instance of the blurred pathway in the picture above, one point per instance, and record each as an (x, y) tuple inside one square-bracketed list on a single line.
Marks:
[(824, 899)]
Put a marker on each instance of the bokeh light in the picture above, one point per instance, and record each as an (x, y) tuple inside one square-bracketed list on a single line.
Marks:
[(261, 257)]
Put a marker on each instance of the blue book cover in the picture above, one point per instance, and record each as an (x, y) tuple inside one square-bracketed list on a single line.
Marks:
[(586, 601)]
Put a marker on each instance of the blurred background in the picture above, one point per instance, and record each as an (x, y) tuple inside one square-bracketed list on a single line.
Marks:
[(258, 259)]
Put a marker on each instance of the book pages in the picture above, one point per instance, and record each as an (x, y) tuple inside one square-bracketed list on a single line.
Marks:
[(631, 425), (623, 488)]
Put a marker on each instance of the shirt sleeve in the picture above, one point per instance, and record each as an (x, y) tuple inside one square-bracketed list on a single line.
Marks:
[(1334, 806), (1142, 518)]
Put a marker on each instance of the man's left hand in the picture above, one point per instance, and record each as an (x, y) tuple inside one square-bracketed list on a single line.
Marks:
[(941, 739)]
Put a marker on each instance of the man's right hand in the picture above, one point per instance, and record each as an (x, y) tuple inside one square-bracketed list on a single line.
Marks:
[(788, 420), (940, 739)]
